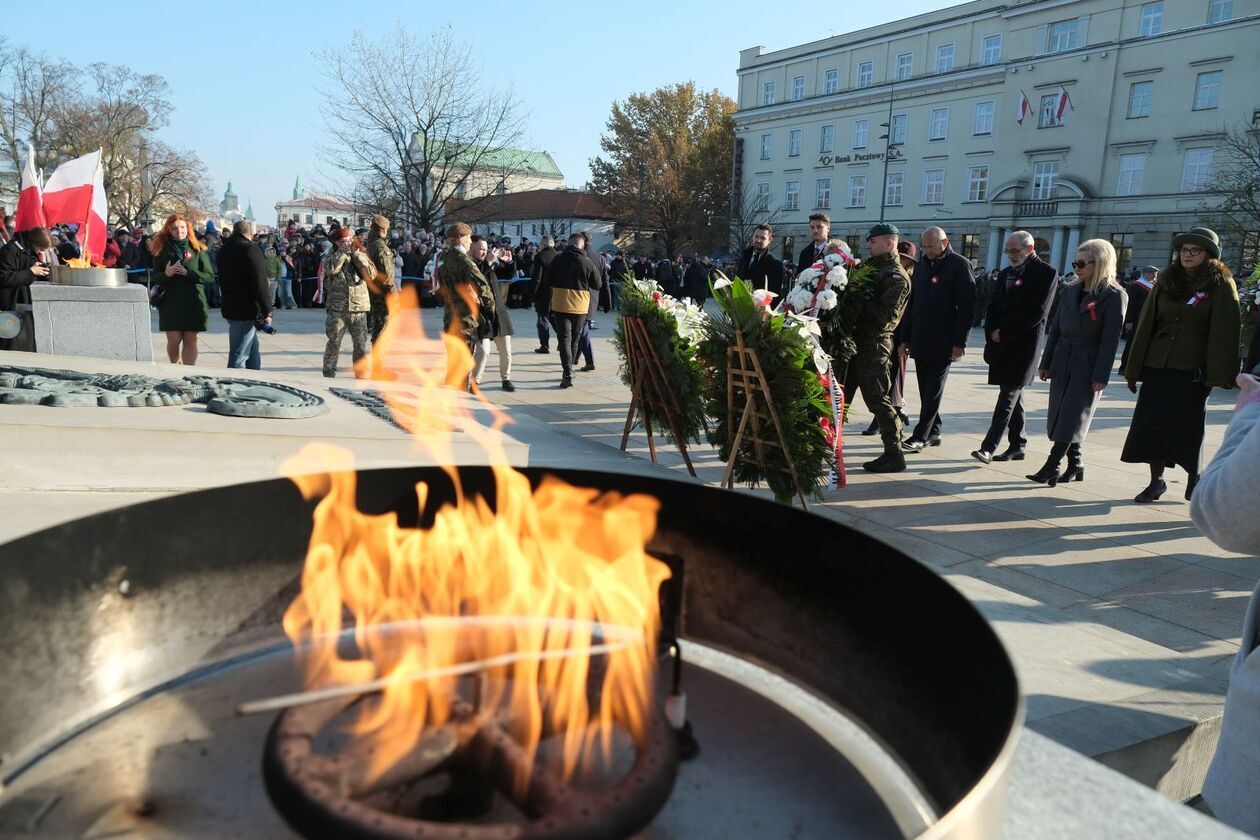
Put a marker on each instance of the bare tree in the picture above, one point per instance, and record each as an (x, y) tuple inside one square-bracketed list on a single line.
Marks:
[(33, 88), (412, 118), (749, 209), (1235, 182)]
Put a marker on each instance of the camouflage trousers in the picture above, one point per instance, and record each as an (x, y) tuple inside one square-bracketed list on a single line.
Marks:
[(379, 316), (335, 326), (871, 370)]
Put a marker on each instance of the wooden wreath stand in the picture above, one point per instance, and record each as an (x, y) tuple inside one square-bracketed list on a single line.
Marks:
[(651, 388), (743, 371)]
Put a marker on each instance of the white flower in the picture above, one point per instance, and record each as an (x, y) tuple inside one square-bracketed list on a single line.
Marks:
[(722, 282), (838, 278), (827, 300), (809, 276), (800, 299), (764, 297)]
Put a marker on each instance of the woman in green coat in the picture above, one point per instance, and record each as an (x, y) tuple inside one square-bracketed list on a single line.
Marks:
[(181, 271)]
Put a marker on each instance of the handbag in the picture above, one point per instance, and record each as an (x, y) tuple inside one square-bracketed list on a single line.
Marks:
[(156, 294)]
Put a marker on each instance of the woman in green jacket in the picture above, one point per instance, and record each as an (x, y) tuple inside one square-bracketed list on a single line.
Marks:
[(1186, 343), (181, 270)]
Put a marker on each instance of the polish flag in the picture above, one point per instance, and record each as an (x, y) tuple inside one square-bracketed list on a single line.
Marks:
[(1023, 107), (75, 194), (1062, 105), (30, 206)]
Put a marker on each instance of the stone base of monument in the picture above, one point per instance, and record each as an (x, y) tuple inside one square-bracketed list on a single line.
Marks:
[(105, 322)]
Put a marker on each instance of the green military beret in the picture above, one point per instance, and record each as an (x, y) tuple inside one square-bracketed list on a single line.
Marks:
[(883, 229)]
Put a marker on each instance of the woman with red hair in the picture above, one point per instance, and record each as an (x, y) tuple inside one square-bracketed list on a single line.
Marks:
[(181, 270)]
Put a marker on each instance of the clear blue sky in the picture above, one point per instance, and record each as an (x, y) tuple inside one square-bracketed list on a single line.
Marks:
[(243, 76)]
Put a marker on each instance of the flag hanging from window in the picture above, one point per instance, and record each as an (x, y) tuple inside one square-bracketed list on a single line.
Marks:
[(1062, 105), (1022, 108)]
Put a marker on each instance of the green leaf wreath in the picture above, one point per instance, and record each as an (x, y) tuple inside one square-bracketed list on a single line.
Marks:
[(669, 324), (787, 361), (839, 323)]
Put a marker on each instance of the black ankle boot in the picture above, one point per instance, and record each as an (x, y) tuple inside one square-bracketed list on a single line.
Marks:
[(1075, 469), (1048, 474), (1191, 483), (1153, 491)]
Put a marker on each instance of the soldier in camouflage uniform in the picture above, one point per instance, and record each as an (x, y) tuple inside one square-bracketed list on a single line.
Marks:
[(383, 286), (346, 304), (467, 298), (873, 335)]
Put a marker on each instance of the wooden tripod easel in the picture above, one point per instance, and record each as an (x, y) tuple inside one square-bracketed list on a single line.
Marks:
[(743, 371), (651, 388)]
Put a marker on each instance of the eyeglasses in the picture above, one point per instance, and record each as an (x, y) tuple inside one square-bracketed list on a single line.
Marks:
[(1015, 251), (1079, 264), (1191, 252)]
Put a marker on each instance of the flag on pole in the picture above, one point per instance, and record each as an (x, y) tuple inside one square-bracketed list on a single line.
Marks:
[(1022, 107), (1062, 105), (30, 206), (75, 194)]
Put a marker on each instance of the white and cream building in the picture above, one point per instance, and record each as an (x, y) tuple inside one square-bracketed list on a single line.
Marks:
[(1152, 88)]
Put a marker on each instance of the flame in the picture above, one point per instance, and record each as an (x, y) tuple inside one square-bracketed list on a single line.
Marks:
[(530, 585), (82, 262)]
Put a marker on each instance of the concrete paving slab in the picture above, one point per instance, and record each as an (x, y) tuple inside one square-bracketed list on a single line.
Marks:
[(1199, 598), (1085, 562)]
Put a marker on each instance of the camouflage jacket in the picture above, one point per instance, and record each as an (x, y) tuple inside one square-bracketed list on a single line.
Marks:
[(344, 289), (460, 282), (888, 300), (383, 259)]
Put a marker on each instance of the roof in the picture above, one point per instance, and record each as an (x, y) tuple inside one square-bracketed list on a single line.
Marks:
[(503, 160), (530, 204), (317, 202)]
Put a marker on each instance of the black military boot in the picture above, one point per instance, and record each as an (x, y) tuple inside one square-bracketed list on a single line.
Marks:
[(890, 462)]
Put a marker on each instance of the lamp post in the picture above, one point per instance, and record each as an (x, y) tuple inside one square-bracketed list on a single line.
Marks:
[(638, 224), (889, 146)]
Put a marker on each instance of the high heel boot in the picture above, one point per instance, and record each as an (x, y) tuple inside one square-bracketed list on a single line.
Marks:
[(1075, 469), (1049, 472)]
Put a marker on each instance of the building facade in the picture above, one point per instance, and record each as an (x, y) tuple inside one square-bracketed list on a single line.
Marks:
[(1071, 119), (533, 214)]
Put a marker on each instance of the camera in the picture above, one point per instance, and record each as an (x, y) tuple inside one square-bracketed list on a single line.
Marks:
[(263, 326)]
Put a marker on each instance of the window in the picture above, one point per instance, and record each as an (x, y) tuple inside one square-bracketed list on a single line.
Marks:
[(1207, 90), (857, 191), (762, 202), (1132, 167), (982, 121), (991, 49), (767, 145), (768, 93), (1048, 117), (1250, 248), (792, 195), (971, 245), (1220, 10), (1045, 174), (944, 58), (854, 240), (501, 189), (1123, 243), (827, 140), (1194, 178), (310, 219), (798, 88), (1063, 36), (861, 133), (905, 66), (831, 81), (822, 194), (934, 186), (978, 183), (794, 143), (900, 128), (938, 127), (865, 74), (1152, 20), (1140, 99), (894, 188)]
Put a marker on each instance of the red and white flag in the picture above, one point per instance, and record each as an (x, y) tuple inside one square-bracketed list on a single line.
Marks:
[(30, 206), (1062, 105), (1022, 108), (75, 194)]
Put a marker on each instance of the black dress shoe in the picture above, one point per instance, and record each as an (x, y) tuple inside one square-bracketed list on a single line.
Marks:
[(587, 367), (912, 445), (541, 350), (934, 440), (566, 383), (872, 429), (984, 456), (1152, 492), (1012, 453), (508, 386)]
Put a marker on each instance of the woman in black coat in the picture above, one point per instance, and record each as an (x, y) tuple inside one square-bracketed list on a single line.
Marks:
[(22, 263), (1080, 352)]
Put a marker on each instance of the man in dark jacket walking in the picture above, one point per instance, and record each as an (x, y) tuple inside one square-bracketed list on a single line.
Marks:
[(943, 298), (1138, 291), (246, 294), (758, 266), (566, 286), (1014, 327), (542, 260)]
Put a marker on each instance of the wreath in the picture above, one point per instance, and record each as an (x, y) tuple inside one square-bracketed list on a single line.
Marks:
[(792, 376), (671, 327)]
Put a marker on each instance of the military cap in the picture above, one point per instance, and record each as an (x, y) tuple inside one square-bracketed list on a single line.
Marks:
[(883, 229)]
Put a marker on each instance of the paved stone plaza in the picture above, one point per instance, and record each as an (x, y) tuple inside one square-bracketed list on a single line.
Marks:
[(1122, 619)]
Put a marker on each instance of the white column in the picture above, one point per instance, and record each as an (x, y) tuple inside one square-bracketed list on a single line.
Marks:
[(1074, 242), (993, 257), (1056, 250)]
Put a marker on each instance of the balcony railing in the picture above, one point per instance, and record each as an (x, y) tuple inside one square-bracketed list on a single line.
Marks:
[(1038, 208)]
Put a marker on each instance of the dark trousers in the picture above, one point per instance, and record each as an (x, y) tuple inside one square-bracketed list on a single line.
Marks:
[(1008, 415), (897, 379), (584, 345), (872, 370), (544, 332), (309, 285), (568, 335), (931, 377)]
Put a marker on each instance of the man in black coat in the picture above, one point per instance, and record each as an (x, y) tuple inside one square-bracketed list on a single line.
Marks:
[(758, 266), (1138, 291), (943, 299), (20, 265), (696, 281), (542, 303), (819, 233), (1014, 327), (246, 294)]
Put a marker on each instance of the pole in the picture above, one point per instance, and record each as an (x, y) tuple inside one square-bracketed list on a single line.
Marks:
[(638, 224), (888, 145)]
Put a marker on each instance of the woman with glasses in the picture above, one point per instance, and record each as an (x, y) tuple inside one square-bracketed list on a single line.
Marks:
[(1080, 353), (1186, 342)]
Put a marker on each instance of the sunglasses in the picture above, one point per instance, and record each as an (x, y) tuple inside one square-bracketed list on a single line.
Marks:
[(1191, 252), (1079, 264)]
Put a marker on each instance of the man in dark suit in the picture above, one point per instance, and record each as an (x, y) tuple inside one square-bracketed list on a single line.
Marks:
[(943, 299), (1138, 291), (758, 266), (1014, 327), (819, 232)]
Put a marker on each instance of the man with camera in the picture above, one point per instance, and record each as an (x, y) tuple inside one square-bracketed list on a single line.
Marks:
[(246, 294)]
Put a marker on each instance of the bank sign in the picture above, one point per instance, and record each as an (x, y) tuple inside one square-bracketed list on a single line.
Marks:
[(828, 160)]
